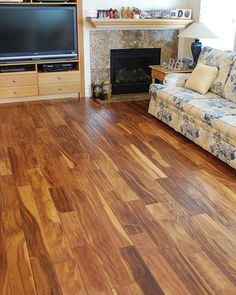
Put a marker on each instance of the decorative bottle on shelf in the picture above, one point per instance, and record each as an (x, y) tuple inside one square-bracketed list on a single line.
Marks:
[(128, 13), (123, 13), (116, 13), (111, 13)]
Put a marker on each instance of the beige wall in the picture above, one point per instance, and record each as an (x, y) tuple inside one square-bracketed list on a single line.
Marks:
[(185, 44)]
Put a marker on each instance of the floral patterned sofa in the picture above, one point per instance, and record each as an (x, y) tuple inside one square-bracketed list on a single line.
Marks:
[(208, 120)]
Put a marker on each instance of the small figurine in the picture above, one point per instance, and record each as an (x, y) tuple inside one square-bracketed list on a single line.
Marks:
[(136, 13), (111, 13), (123, 13), (128, 13), (116, 13)]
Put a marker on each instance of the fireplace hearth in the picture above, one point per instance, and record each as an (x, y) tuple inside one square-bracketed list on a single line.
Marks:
[(130, 72)]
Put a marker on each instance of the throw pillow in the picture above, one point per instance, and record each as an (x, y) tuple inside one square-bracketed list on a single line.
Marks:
[(201, 78), (223, 60)]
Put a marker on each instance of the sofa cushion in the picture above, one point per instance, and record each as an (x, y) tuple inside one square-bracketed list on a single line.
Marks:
[(230, 86), (223, 60), (201, 78), (218, 113), (176, 96)]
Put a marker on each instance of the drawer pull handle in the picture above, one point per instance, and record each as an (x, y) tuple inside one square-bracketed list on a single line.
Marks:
[(60, 88), (14, 81), (59, 78), (14, 92)]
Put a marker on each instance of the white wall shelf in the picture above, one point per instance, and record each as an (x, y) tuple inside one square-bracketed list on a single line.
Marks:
[(129, 24)]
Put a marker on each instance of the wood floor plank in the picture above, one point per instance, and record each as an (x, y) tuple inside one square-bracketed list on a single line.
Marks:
[(93, 199), (143, 192), (211, 274), (129, 290), (177, 233), (113, 266), (45, 205), (122, 211), (160, 268), (41, 262), (73, 228), (181, 197), (141, 273), (225, 262), (58, 243), (91, 271), (150, 226), (185, 270), (4, 287), (3, 256), (8, 193), (19, 271), (5, 165), (70, 278), (118, 183), (148, 165), (18, 164), (62, 199)]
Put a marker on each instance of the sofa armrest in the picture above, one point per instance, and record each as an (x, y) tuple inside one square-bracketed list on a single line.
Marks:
[(176, 79)]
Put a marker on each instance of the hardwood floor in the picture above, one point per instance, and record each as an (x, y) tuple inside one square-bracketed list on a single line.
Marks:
[(108, 200)]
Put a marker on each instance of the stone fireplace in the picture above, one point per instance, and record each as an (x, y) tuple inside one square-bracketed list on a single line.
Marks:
[(104, 42)]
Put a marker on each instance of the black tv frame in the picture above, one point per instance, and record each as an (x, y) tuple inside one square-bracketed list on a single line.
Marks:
[(42, 55)]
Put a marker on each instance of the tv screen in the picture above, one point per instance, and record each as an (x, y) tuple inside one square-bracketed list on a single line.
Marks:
[(37, 32)]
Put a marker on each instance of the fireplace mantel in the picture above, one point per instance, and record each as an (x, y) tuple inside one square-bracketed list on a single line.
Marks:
[(134, 24)]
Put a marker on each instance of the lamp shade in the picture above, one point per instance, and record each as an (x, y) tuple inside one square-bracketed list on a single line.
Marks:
[(197, 31)]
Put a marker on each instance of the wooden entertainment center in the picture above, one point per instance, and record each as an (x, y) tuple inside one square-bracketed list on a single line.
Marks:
[(35, 84)]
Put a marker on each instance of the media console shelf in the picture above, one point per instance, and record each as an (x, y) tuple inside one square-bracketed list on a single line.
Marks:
[(26, 81)]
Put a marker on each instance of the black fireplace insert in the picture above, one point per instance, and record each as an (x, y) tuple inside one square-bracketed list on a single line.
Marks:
[(130, 72)]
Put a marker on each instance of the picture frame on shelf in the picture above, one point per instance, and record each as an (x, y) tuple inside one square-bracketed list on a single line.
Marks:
[(171, 64), (178, 64), (173, 13), (184, 13)]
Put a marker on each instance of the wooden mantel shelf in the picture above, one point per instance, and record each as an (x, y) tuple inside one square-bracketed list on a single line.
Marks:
[(139, 23)]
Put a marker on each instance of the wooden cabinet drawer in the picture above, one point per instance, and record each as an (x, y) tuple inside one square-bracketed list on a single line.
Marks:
[(48, 89), (158, 75), (22, 91), (59, 77), (18, 80)]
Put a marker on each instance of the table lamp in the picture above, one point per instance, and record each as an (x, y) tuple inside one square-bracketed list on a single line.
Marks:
[(197, 31)]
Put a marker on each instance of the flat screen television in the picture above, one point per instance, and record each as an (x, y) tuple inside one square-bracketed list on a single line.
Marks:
[(37, 33)]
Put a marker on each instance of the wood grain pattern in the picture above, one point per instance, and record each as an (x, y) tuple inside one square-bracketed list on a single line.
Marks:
[(141, 273), (107, 200)]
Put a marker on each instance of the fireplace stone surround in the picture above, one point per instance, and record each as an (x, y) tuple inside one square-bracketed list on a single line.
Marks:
[(103, 41)]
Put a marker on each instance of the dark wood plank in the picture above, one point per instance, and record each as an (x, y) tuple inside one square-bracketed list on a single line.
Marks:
[(141, 273)]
